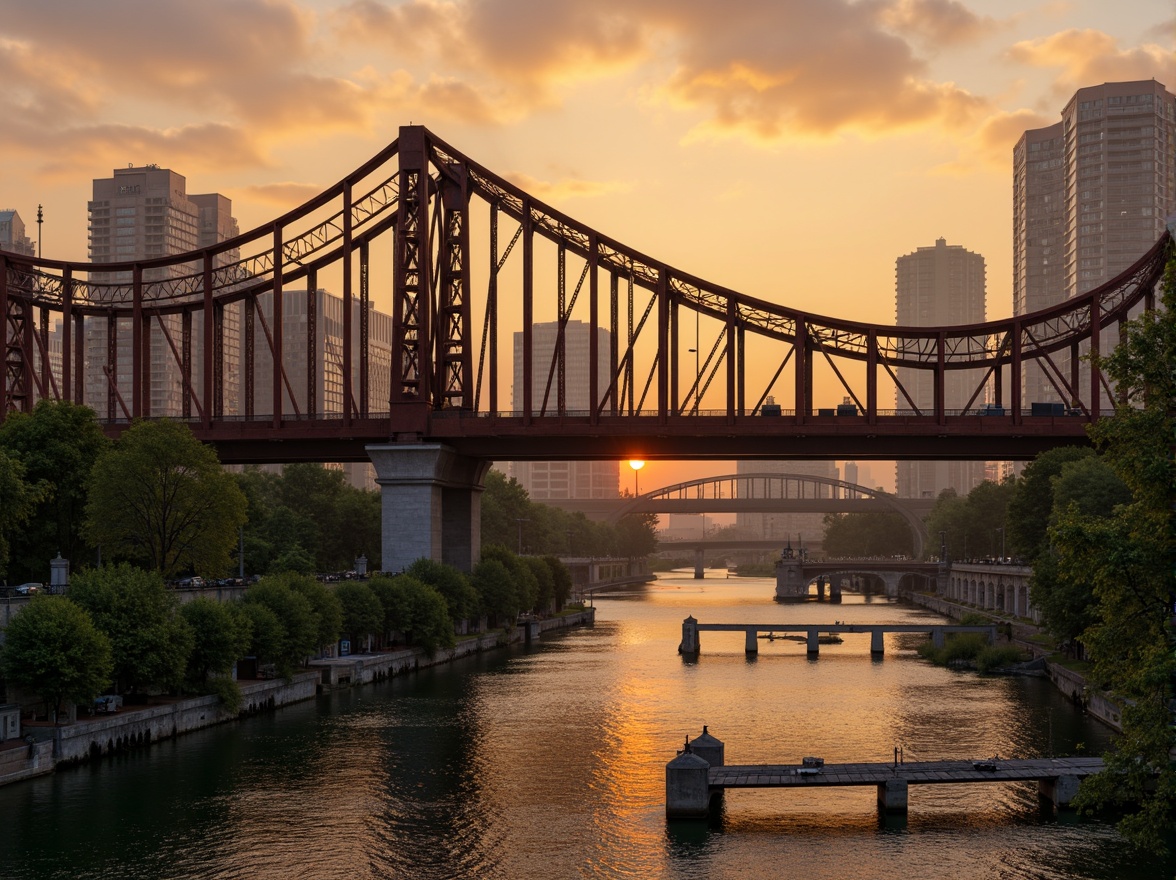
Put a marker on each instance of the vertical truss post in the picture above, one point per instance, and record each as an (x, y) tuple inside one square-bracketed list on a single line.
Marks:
[(46, 381), (1075, 379), (311, 343), (249, 331), (614, 343), (801, 348), (111, 362), (5, 335), (675, 341), (1015, 372), (412, 282), (186, 362), (528, 312), (79, 355), (137, 334), (872, 377), (561, 399), (348, 342), (492, 306), (663, 345), (278, 320), (67, 385), (365, 363), (218, 364), (741, 375), (631, 354), (455, 382), (732, 354), (28, 344), (211, 382), (941, 378), (997, 382), (1095, 372), (593, 322)]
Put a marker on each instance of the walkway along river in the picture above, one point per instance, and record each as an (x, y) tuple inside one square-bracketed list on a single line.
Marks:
[(549, 762)]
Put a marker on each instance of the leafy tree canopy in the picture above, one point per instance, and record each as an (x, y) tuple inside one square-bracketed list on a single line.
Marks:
[(53, 649), (18, 502), (150, 641), (220, 636), (161, 498), (867, 534)]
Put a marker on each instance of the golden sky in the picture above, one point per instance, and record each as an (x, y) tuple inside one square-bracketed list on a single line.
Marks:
[(791, 149)]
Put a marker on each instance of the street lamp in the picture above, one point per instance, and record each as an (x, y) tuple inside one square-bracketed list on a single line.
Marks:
[(520, 520), (636, 465), (1002, 542)]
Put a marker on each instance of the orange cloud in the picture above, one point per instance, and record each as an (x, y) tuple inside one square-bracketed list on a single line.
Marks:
[(285, 195), (568, 188), (938, 23), (1090, 57), (991, 144)]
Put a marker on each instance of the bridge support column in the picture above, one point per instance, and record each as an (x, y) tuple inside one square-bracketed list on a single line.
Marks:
[(834, 589), (1061, 791), (892, 796), (938, 639), (709, 748), (751, 643), (432, 505), (877, 642), (689, 644), (699, 564), (814, 643), (687, 787)]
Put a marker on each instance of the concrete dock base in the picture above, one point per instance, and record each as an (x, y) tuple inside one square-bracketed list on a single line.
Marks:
[(892, 796), (1061, 791), (687, 787)]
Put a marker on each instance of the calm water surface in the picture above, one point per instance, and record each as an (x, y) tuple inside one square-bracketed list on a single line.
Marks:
[(549, 763)]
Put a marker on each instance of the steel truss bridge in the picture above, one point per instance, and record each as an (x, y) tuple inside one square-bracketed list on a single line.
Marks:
[(689, 372)]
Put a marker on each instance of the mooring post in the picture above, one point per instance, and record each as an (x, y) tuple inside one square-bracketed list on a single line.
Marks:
[(892, 796), (708, 748), (687, 786), (689, 645)]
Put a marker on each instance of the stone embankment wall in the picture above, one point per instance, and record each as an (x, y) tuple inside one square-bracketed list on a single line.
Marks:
[(1069, 682), (133, 727)]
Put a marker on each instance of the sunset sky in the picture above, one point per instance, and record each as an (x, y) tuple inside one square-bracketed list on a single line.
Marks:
[(791, 149)]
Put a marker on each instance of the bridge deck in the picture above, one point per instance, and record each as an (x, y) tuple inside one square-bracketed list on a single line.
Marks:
[(914, 773), (843, 627)]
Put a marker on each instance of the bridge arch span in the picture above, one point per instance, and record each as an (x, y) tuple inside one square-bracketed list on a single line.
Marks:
[(767, 492)]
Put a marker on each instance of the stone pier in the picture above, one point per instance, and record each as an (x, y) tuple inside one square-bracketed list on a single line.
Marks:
[(432, 507)]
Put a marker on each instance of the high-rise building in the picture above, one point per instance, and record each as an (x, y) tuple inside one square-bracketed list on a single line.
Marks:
[(1090, 196), (553, 480), (938, 286), (141, 214), (12, 235)]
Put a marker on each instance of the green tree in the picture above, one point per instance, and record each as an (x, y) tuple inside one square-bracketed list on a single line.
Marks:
[(363, 615), (867, 534), (160, 497), (1128, 558), (220, 636), (392, 593), (1032, 505), (453, 585), (53, 649), (18, 502), (300, 623), (521, 574), (637, 535), (327, 607), (431, 625), (267, 635), (150, 641), (497, 589), (544, 583), (57, 443), (561, 580)]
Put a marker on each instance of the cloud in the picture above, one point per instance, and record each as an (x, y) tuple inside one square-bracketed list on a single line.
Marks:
[(287, 194), (571, 187), (1090, 57), (937, 23), (991, 145)]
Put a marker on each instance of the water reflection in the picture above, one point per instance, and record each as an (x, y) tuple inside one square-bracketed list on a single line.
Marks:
[(549, 762)]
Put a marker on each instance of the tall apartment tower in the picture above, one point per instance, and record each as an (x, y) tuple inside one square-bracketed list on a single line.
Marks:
[(937, 286), (141, 214), (796, 529), (1090, 196), (554, 480), (12, 235)]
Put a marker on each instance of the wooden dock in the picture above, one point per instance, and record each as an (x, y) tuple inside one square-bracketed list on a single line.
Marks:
[(812, 632), (699, 774)]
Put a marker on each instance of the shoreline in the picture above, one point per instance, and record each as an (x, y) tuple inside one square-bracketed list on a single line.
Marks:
[(139, 726)]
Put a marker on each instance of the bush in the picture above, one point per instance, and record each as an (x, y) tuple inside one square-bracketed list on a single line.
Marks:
[(228, 691), (995, 657)]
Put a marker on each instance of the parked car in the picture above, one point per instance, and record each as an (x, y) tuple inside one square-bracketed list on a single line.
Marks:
[(28, 589)]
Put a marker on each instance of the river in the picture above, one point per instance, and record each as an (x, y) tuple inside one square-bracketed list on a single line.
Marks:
[(549, 762)]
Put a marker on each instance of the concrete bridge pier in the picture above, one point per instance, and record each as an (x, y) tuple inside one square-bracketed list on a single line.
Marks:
[(820, 589), (751, 644), (938, 638), (432, 506), (814, 643), (699, 564), (892, 796), (1061, 790), (688, 786), (877, 642), (834, 589)]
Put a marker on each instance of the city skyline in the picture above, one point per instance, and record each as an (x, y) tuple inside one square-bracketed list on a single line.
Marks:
[(756, 162)]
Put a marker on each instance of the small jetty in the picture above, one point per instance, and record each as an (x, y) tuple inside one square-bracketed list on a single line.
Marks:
[(815, 633), (699, 775)]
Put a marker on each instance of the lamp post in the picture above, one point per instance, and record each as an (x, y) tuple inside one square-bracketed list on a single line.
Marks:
[(40, 219), (520, 520), (943, 546), (1002, 542), (636, 465)]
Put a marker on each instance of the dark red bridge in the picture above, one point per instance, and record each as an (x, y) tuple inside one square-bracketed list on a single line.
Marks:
[(458, 247)]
